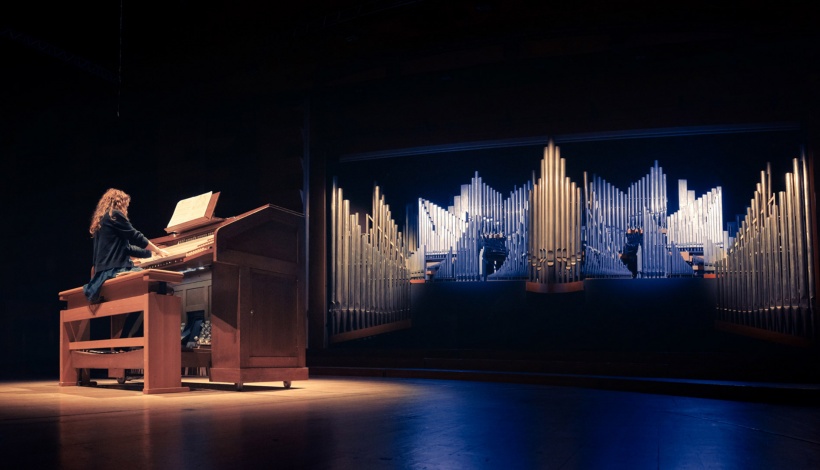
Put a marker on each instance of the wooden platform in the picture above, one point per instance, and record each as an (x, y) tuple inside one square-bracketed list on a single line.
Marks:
[(555, 288)]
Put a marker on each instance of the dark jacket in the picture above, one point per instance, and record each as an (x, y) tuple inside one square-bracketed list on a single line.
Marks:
[(116, 242)]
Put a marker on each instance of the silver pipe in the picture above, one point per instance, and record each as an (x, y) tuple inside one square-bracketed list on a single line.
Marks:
[(791, 250), (784, 259), (808, 195), (799, 230)]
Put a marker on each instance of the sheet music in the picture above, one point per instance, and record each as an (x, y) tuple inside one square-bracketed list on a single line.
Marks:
[(190, 209)]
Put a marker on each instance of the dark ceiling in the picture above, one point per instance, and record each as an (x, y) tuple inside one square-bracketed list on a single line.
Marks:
[(223, 79), (183, 82), (314, 46)]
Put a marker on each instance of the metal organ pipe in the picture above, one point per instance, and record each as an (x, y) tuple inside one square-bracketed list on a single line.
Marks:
[(452, 237), (604, 230), (513, 216), (697, 225), (648, 205), (764, 262), (369, 267), (554, 206), (766, 279)]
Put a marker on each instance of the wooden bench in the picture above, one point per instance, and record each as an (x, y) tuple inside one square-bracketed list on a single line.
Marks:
[(159, 347)]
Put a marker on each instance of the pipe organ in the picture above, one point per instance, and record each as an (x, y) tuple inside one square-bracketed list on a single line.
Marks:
[(697, 226), (439, 231), (546, 233), (646, 209), (567, 237), (483, 235), (513, 219), (612, 217), (767, 280), (439, 228), (370, 289), (417, 264), (604, 230), (676, 264), (555, 227)]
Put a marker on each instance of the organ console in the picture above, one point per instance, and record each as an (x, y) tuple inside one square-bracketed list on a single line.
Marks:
[(244, 274)]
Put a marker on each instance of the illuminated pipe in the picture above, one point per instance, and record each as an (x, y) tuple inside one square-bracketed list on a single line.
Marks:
[(761, 243), (334, 225), (548, 216), (772, 262), (791, 244), (764, 256), (801, 297), (765, 274), (720, 283), (754, 267), (654, 209), (651, 211), (333, 253), (784, 259), (575, 233), (779, 265), (809, 223), (767, 247), (353, 265), (776, 279), (747, 252), (539, 210), (345, 265), (551, 216), (370, 267), (792, 252)]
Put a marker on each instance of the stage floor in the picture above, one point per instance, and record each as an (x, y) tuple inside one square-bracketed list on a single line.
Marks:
[(371, 422)]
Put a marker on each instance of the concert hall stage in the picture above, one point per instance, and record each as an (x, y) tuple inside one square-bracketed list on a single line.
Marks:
[(386, 423)]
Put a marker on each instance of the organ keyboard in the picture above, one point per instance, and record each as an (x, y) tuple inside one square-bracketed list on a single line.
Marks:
[(192, 250)]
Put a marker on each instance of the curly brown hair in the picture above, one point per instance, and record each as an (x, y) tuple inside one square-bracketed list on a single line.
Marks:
[(113, 199)]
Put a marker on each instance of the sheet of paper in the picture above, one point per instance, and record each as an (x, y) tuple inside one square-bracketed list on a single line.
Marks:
[(190, 209)]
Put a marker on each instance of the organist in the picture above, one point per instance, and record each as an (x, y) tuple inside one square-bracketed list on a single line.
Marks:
[(116, 241)]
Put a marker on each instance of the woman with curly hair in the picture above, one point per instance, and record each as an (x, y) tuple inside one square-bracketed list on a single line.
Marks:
[(116, 241)]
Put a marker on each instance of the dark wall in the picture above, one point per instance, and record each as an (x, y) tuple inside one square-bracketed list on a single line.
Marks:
[(654, 315)]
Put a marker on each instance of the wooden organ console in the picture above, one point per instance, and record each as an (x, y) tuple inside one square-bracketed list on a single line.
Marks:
[(246, 275)]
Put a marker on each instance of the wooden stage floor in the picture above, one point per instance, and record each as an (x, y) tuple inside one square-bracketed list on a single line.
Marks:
[(334, 422)]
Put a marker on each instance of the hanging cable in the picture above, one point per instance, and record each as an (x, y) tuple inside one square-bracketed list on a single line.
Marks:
[(119, 75)]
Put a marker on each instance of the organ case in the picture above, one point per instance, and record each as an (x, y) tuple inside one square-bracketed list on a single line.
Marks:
[(247, 275)]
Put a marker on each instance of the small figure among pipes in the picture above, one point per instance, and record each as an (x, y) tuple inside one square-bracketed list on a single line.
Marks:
[(629, 255), (492, 249)]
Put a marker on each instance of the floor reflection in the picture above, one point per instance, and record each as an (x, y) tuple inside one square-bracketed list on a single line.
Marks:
[(397, 423)]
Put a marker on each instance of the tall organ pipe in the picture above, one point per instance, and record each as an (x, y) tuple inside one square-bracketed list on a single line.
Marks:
[(369, 267), (554, 204), (766, 279)]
